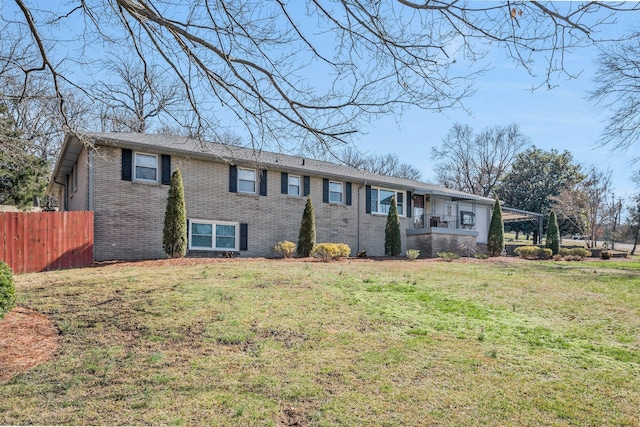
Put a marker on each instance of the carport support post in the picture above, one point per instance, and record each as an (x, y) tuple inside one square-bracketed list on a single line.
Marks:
[(540, 221)]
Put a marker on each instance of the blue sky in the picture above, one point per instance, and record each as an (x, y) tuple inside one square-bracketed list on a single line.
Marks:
[(560, 118)]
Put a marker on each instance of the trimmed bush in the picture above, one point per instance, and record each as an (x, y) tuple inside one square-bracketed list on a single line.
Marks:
[(495, 241), (174, 233), (533, 252), (605, 255), (553, 234), (285, 248), (412, 254), (448, 256), (392, 236), (575, 252), (327, 251), (307, 234), (7, 289)]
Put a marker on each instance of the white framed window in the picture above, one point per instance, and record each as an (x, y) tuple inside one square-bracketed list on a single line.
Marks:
[(293, 185), (335, 192), (381, 200), (146, 167), (213, 235), (246, 180)]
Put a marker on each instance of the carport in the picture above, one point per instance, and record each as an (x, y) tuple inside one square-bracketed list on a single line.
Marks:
[(517, 215)]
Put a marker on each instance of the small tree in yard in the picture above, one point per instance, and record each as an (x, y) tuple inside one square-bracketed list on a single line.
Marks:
[(307, 235), (495, 242), (553, 234), (392, 240), (174, 240)]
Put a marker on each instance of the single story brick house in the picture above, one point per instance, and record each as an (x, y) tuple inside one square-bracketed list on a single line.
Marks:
[(244, 201)]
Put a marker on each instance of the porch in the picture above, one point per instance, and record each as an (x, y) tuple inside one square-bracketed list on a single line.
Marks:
[(447, 223)]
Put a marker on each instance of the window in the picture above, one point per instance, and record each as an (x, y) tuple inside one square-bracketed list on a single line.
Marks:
[(146, 167), (381, 200), (335, 192), (467, 218), (246, 180), (210, 235), (294, 185)]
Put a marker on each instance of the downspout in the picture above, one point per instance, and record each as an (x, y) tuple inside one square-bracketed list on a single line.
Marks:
[(65, 201), (91, 179), (359, 213)]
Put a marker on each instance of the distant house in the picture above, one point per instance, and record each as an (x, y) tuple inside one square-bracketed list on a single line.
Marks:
[(244, 201)]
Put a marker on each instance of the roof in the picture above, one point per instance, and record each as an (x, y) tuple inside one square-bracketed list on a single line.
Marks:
[(191, 147), (513, 215)]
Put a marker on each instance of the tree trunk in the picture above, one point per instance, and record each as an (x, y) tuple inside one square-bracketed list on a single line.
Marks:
[(635, 240)]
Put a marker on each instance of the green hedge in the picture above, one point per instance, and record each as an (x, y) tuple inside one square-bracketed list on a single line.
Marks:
[(7, 290), (533, 252)]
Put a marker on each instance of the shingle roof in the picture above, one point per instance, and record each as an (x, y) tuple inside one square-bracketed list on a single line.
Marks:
[(239, 155)]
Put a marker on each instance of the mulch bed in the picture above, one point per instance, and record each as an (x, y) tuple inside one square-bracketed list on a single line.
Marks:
[(27, 339)]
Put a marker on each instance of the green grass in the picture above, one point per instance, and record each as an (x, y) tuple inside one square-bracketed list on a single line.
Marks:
[(273, 342)]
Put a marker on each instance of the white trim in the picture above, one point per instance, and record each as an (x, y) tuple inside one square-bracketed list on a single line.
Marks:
[(342, 195), (255, 181), (135, 167), (213, 224), (396, 192), (289, 185)]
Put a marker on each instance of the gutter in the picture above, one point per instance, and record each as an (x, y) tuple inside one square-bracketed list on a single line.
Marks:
[(91, 154)]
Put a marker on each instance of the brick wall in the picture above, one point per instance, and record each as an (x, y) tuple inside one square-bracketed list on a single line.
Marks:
[(129, 216)]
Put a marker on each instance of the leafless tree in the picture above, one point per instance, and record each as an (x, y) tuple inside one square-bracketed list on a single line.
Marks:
[(618, 93), (476, 163), (293, 71), (134, 96), (384, 164), (33, 105), (585, 204)]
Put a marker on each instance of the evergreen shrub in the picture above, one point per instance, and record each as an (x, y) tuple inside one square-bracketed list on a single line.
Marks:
[(174, 233), (7, 289), (285, 248), (533, 252), (392, 239), (307, 234), (328, 251)]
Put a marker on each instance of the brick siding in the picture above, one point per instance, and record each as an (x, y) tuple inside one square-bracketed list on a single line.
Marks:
[(129, 215)]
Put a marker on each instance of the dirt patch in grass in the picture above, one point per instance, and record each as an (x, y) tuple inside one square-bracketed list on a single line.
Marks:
[(27, 339)]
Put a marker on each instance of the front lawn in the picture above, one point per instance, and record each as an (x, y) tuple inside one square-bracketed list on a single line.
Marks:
[(359, 342)]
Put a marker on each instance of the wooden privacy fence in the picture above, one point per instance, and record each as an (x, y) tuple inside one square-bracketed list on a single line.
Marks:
[(41, 241)]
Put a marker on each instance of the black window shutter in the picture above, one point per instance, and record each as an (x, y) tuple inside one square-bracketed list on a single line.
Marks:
[(126, 164), (408, 207), (284, 183), (166, 169), (188, 234), (233, 179), (368, 199), (244, 229), (325, 191), (263, 182), (348, 194), (307, 185)]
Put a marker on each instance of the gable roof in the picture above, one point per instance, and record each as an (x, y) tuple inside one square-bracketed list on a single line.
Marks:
[(190, 147)]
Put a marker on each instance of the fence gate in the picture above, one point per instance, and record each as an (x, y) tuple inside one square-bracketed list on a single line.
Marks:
[(41, 241)]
